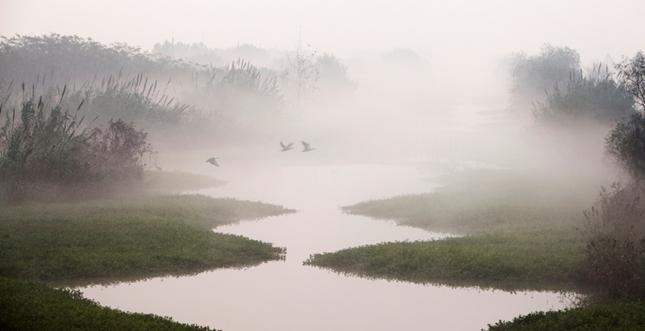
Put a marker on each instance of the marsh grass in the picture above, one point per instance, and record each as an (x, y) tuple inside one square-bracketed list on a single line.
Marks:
[(518, 232), (31, 306), (121, 239), (48, 154)]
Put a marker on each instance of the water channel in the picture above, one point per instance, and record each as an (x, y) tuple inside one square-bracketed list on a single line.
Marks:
[(286, 295)]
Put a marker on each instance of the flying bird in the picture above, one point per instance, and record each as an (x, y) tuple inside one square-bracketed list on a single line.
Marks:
[(307, 147), (287, 147), (213, 161)]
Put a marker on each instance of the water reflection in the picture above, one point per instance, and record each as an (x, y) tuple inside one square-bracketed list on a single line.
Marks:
[(289, 296)]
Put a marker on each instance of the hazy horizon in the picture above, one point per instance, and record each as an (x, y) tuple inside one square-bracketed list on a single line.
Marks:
[(458, 39)]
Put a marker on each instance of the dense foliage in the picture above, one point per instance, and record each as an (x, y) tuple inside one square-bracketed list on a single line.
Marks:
[(31, 306)]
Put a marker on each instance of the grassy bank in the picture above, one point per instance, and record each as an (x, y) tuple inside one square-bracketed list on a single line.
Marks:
[(112, 240), (519, 232), (31, 306)]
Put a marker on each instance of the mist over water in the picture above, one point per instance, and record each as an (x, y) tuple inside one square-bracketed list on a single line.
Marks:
[(289, 296), (422, 89)]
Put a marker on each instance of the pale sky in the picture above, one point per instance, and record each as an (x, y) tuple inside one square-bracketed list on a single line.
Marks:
[(446, 33)]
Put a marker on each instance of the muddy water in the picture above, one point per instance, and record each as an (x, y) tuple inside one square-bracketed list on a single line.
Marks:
[(286, 295)]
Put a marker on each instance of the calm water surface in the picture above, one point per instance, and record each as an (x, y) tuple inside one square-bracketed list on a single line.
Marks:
[(286, 295)]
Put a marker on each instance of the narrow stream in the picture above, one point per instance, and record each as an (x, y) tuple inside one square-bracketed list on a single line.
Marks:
[(286, 295)]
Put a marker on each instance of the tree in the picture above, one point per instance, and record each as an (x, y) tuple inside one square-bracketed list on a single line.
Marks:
[(332, 80), (533, 75), (626, 142), (632, 74), (300, 74)]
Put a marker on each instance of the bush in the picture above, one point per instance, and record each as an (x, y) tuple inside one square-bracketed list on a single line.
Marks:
[(45, 155)]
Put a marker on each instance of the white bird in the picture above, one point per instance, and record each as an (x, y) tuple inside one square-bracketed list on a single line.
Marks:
[(213, 161), (307, 147), (287, 147)]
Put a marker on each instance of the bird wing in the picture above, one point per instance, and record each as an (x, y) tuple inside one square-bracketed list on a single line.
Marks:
[(283, 146), (289, 146), (305, 144)]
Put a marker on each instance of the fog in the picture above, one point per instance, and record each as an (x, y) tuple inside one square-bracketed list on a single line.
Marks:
[(422, 85), (461, 39)]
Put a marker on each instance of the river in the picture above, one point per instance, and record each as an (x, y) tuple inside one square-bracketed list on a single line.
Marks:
[(285, 295)]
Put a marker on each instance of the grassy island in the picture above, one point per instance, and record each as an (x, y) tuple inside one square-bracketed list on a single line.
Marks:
[(114, 240), (513, 232)]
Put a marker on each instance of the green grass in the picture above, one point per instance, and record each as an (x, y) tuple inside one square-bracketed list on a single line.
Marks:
[(504, 261), (628, 316), (31, 306), (112, 240), (519, 232)]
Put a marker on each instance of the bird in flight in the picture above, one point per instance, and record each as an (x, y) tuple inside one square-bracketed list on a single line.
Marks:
[(213, 161), (307, 147), (287, 147)]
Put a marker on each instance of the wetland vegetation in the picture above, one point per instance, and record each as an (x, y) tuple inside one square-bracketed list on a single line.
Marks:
[(81, 206), (128, 238), (536, 228), (516, 231)]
